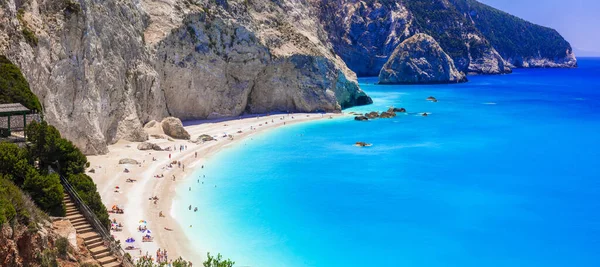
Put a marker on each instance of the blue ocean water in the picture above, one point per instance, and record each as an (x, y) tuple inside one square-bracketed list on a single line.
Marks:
[(504, 172)]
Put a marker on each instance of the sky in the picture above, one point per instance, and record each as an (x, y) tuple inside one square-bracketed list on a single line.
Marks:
[(578, 21)]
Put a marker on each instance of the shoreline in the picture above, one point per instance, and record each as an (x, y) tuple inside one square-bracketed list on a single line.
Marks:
[(134, 197)]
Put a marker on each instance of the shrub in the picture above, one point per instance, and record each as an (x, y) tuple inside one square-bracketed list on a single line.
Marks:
[(14, 162), (14, 205), (62, 245), (215, 261), (86, 189), (14, 87), (48, 258), (46, 191)]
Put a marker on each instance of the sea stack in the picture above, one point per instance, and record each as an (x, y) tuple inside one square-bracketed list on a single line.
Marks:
[(420, 60)]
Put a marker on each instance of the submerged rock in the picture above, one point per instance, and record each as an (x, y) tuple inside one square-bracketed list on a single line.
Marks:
[(361, 118), (387, 115), (432, 99), (424, 114), (174, 128), (397, 110), (372, 115), (420, 60), (362, 144)]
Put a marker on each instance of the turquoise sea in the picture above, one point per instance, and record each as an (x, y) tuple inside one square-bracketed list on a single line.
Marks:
[(504, 172)]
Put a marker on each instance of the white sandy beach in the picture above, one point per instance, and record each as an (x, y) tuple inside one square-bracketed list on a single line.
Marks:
[(134, 197)]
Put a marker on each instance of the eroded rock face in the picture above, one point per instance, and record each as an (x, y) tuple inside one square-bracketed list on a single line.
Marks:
[(365, 33), (104, 69), (420, 60), (174, 128)]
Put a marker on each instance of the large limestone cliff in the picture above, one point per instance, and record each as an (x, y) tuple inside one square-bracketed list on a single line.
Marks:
[(479, 38), (103, 68), (365, 33), (420, 60)]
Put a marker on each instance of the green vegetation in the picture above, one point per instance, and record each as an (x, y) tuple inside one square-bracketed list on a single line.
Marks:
[(48, 148), (445, 24), (148, 262), (217, 261), (514, 37), (27, 168), (45, 190), (48, 258), (14, 88), (27, 32), (62, 245), (16, 207)]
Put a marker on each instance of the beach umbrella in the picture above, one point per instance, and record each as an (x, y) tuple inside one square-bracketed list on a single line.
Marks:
[(147, 232), (130, 240)]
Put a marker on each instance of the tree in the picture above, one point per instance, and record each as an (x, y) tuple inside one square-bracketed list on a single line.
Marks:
[(48, 148), (46, 191), (86, 189), (217, 262), (14, 162)]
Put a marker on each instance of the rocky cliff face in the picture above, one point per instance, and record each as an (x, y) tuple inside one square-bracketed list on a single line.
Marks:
[(103, 68), (521, 43), (420, 60), (365, 33), (480, 39)]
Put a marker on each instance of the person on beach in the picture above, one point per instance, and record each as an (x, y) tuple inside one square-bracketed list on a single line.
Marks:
[(169, 155), (196, 154)]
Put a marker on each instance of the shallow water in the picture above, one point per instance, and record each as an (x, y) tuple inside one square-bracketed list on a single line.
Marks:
[(504, 172)]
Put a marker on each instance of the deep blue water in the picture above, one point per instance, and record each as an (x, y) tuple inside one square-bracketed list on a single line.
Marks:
[(504, 172)]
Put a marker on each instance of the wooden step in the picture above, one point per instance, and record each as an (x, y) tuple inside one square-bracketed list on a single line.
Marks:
[(106, 260), (93, 240), (98, 250), (103, 254), (74, 221), (95, 244), (74, 216), (72, 212), (84, 229), (112, 264), (80, 223), (89, 236)]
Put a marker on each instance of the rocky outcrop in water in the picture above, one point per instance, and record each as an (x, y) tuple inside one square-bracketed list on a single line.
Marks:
[(420, 60)]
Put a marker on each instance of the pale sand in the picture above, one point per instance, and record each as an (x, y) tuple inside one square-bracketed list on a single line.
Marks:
[(134, 197)]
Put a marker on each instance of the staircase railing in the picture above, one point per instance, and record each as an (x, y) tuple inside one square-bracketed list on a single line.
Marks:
[(89, 215)]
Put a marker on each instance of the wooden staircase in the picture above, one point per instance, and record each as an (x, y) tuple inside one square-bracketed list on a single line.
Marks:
[(92, 240)]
